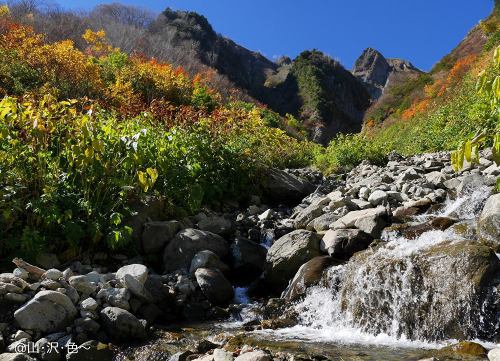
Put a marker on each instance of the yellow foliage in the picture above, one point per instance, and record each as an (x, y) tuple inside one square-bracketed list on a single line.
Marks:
[(97, 42), (4, 10)]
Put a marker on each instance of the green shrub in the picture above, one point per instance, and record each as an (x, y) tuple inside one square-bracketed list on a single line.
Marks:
[(67, 178), (347, 151)]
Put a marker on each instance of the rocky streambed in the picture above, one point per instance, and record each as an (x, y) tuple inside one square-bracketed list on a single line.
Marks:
[(398, 262)]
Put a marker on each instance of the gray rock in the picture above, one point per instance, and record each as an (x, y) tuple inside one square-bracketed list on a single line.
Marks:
[(20, 346), (494, 355), (137, 271), (87, 325), (492, 170), (309, 213), (370, 221), (122, 325), (451, 275), (288, 253), (53, 274), (268, 214), (19, 335), (156, 235), (16, 297), (180, 356), (50, 285), (15, 357), (361, 204), (218, 225), (452, 183), (214, 285), (82, 284), (46, 352), (322, 223), (280, 186), (21, 273), (257, 355), (10, 278), (89, 304), (207, 259), (437, 179), (117, 297), (489, 220), (377, 197), (183, 247), (349, 220), (343, 243), (254, 210), (472, 182), (222, 355), (9, 288), (247, 254), (48, 311), (308, 275), (72, 293)]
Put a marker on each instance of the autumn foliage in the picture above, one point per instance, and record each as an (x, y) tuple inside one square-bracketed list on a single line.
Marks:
[(129, 84)]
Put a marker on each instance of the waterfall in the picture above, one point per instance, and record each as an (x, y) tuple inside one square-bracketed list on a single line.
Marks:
[(408, 292)]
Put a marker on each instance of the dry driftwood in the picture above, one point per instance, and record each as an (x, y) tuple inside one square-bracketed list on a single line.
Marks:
[(34, 270)]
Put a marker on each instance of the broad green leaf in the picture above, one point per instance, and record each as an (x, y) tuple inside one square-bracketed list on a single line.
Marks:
[(143, 180), (468, 151), (153, 174)]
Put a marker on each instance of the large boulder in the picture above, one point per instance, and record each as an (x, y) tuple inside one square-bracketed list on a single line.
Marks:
[(377, 197), (184, 246), (214, 286), (489, 220), (343, 243), (133, 277), (494, 355), (145, 210), (48, 311), (218, 225), (314, 210), (288, 253), (282, 187), (207, 259), (371, 221), (436, 292), (472, 182), (137, 271), (248, 257), (256, 355), (121, 325), (436, 178), (157, 234), (309, 274), (82, 284), (322, 223)]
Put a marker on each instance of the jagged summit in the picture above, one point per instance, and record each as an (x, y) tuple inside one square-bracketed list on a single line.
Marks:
[(375, 71)]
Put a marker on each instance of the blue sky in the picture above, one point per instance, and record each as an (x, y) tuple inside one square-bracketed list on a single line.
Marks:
[(420, 31)]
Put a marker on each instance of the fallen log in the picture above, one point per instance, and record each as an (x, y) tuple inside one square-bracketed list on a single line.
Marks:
[(34, 270)]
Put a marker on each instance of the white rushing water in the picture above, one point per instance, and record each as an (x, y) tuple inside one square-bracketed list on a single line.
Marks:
[(382, 298)]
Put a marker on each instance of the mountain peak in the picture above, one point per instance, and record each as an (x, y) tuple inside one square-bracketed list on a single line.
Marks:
[(374, 70)]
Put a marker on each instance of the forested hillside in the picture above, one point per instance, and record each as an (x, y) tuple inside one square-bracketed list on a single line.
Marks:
[(86, 134)]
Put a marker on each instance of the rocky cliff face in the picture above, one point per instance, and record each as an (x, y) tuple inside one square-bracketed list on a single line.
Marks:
[(191, 33), (327, 98), (376, 71)]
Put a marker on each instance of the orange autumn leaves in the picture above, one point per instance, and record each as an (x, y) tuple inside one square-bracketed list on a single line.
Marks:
[(127, 83), (440, 86)]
